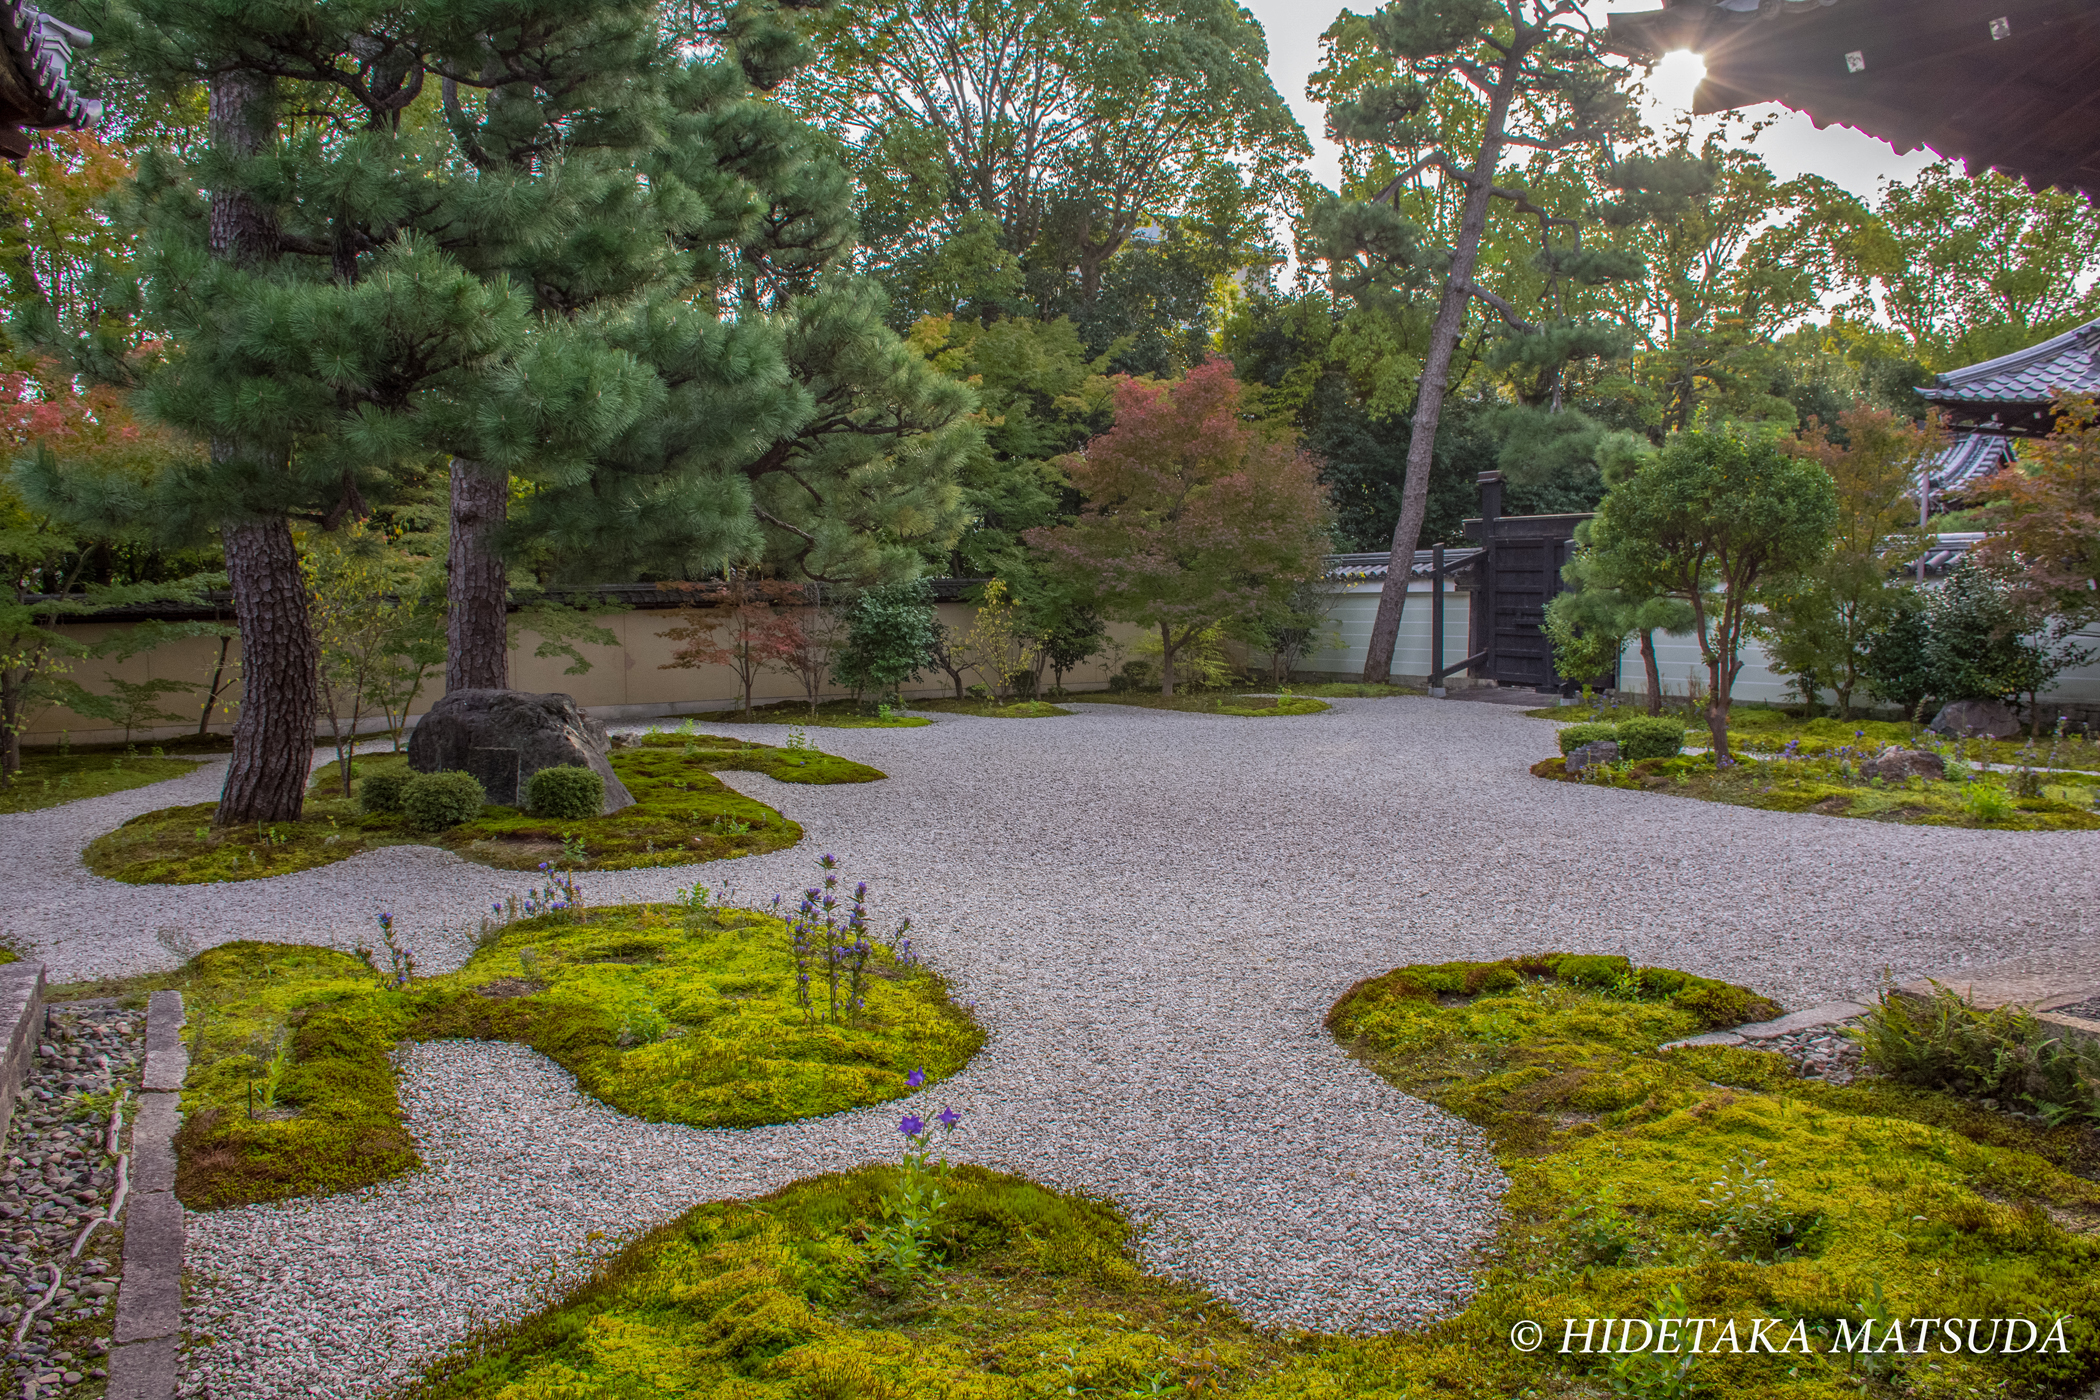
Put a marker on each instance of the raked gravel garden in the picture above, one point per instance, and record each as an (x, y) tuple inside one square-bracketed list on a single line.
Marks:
[(1150, 913)]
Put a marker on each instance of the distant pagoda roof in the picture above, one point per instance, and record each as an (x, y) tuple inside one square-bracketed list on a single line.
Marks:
[(36, 93), (2007, 85), (2013, 394)]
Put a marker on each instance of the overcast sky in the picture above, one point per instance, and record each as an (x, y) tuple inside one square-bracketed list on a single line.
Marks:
[(1791, 147)]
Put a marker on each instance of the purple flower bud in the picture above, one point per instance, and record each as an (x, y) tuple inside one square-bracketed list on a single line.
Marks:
[(948, 1118)]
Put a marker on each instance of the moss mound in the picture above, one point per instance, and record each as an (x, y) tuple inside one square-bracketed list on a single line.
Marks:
[(831, 714), (681, 814), (1710, 1182), (670, 1014), (48, 778), (1207, 703), (1702, 1182), (772, 1299), (1830, 787), (1020, 709)]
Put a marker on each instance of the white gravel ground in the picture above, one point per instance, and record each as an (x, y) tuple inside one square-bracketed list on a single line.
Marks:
[(1152, 912)]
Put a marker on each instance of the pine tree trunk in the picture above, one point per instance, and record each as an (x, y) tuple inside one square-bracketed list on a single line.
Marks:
[(477, 655), (1436, 380), (1655, 678), (273, 740)]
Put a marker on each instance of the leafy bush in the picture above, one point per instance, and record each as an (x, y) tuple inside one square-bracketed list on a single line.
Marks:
[(1574, 736), (1139, 674), (379, 791), (567, 793), (891, 632), (1650, 737), (434, 801), (2005, 1055)]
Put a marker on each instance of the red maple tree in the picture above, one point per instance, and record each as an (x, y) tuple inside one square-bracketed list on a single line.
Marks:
[(1194, 516)]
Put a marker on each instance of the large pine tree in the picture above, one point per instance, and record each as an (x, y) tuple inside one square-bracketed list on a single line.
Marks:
[(507, 233)]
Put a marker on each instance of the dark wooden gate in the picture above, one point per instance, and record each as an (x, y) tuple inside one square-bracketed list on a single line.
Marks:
[(1518, 573)]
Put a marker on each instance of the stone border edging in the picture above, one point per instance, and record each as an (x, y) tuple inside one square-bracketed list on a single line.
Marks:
[(142, 1365), (1828, 1014), (22, 996)]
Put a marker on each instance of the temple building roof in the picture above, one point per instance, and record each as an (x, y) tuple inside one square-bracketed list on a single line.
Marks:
[(2013, 394), (2005, 85), (36, 91)]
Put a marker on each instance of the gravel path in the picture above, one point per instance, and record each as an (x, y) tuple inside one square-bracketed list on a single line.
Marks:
[(1152, 911)]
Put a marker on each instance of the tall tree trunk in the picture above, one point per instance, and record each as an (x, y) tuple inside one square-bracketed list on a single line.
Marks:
[(273, 740), (1436, 381), (1655, 678), (477, 655), (1166, 660)]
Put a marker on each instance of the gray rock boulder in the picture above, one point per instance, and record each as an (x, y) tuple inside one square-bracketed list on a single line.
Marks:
[(503, 737), (1901, 765), (1985, 719), (1604, 751)]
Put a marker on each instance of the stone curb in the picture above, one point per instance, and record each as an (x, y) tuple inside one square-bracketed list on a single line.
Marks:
[(142, 1366), (1828, 1014), (22, 997)]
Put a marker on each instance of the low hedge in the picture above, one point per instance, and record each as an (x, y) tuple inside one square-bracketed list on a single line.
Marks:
[(1643, 736)]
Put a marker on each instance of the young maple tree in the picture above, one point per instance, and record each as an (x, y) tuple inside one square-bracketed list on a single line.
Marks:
[(755, 635), (1194, 517), (2048, 535)]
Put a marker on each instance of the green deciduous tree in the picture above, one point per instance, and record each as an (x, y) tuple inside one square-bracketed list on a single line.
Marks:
[(1193, 516), (1060, 127), (1712, 517), (1818, 622)]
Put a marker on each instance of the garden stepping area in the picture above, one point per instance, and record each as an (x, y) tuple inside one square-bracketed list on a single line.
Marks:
[(1150, 913)]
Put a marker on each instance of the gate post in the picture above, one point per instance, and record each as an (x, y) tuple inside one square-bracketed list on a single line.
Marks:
[(1490, 513), (1436, 620)]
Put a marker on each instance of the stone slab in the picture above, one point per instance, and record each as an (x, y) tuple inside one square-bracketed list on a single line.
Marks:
[(1828, 1014), (153, 1142), (165, 1071), (149, 1296), (164, 1022), (143, 1370), (22, 1014)]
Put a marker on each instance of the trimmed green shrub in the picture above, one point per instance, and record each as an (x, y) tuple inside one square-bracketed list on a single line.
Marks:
[(435, 801), (570, 792), (1646, 736), (379, 792), (1574, 736)]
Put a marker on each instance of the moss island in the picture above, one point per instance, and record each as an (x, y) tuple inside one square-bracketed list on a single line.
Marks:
[(681, 814), (1644, 1184), (671, 1013)]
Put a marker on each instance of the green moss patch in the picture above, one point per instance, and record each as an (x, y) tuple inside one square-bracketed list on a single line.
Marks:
[(670, 1014), (1020, 709), (773, 1299), (681, 814), (831, 714), (1700, 1182), (1709, 1182), (1764, 730), (1205, 702), (1829, 787), (48, 777)]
